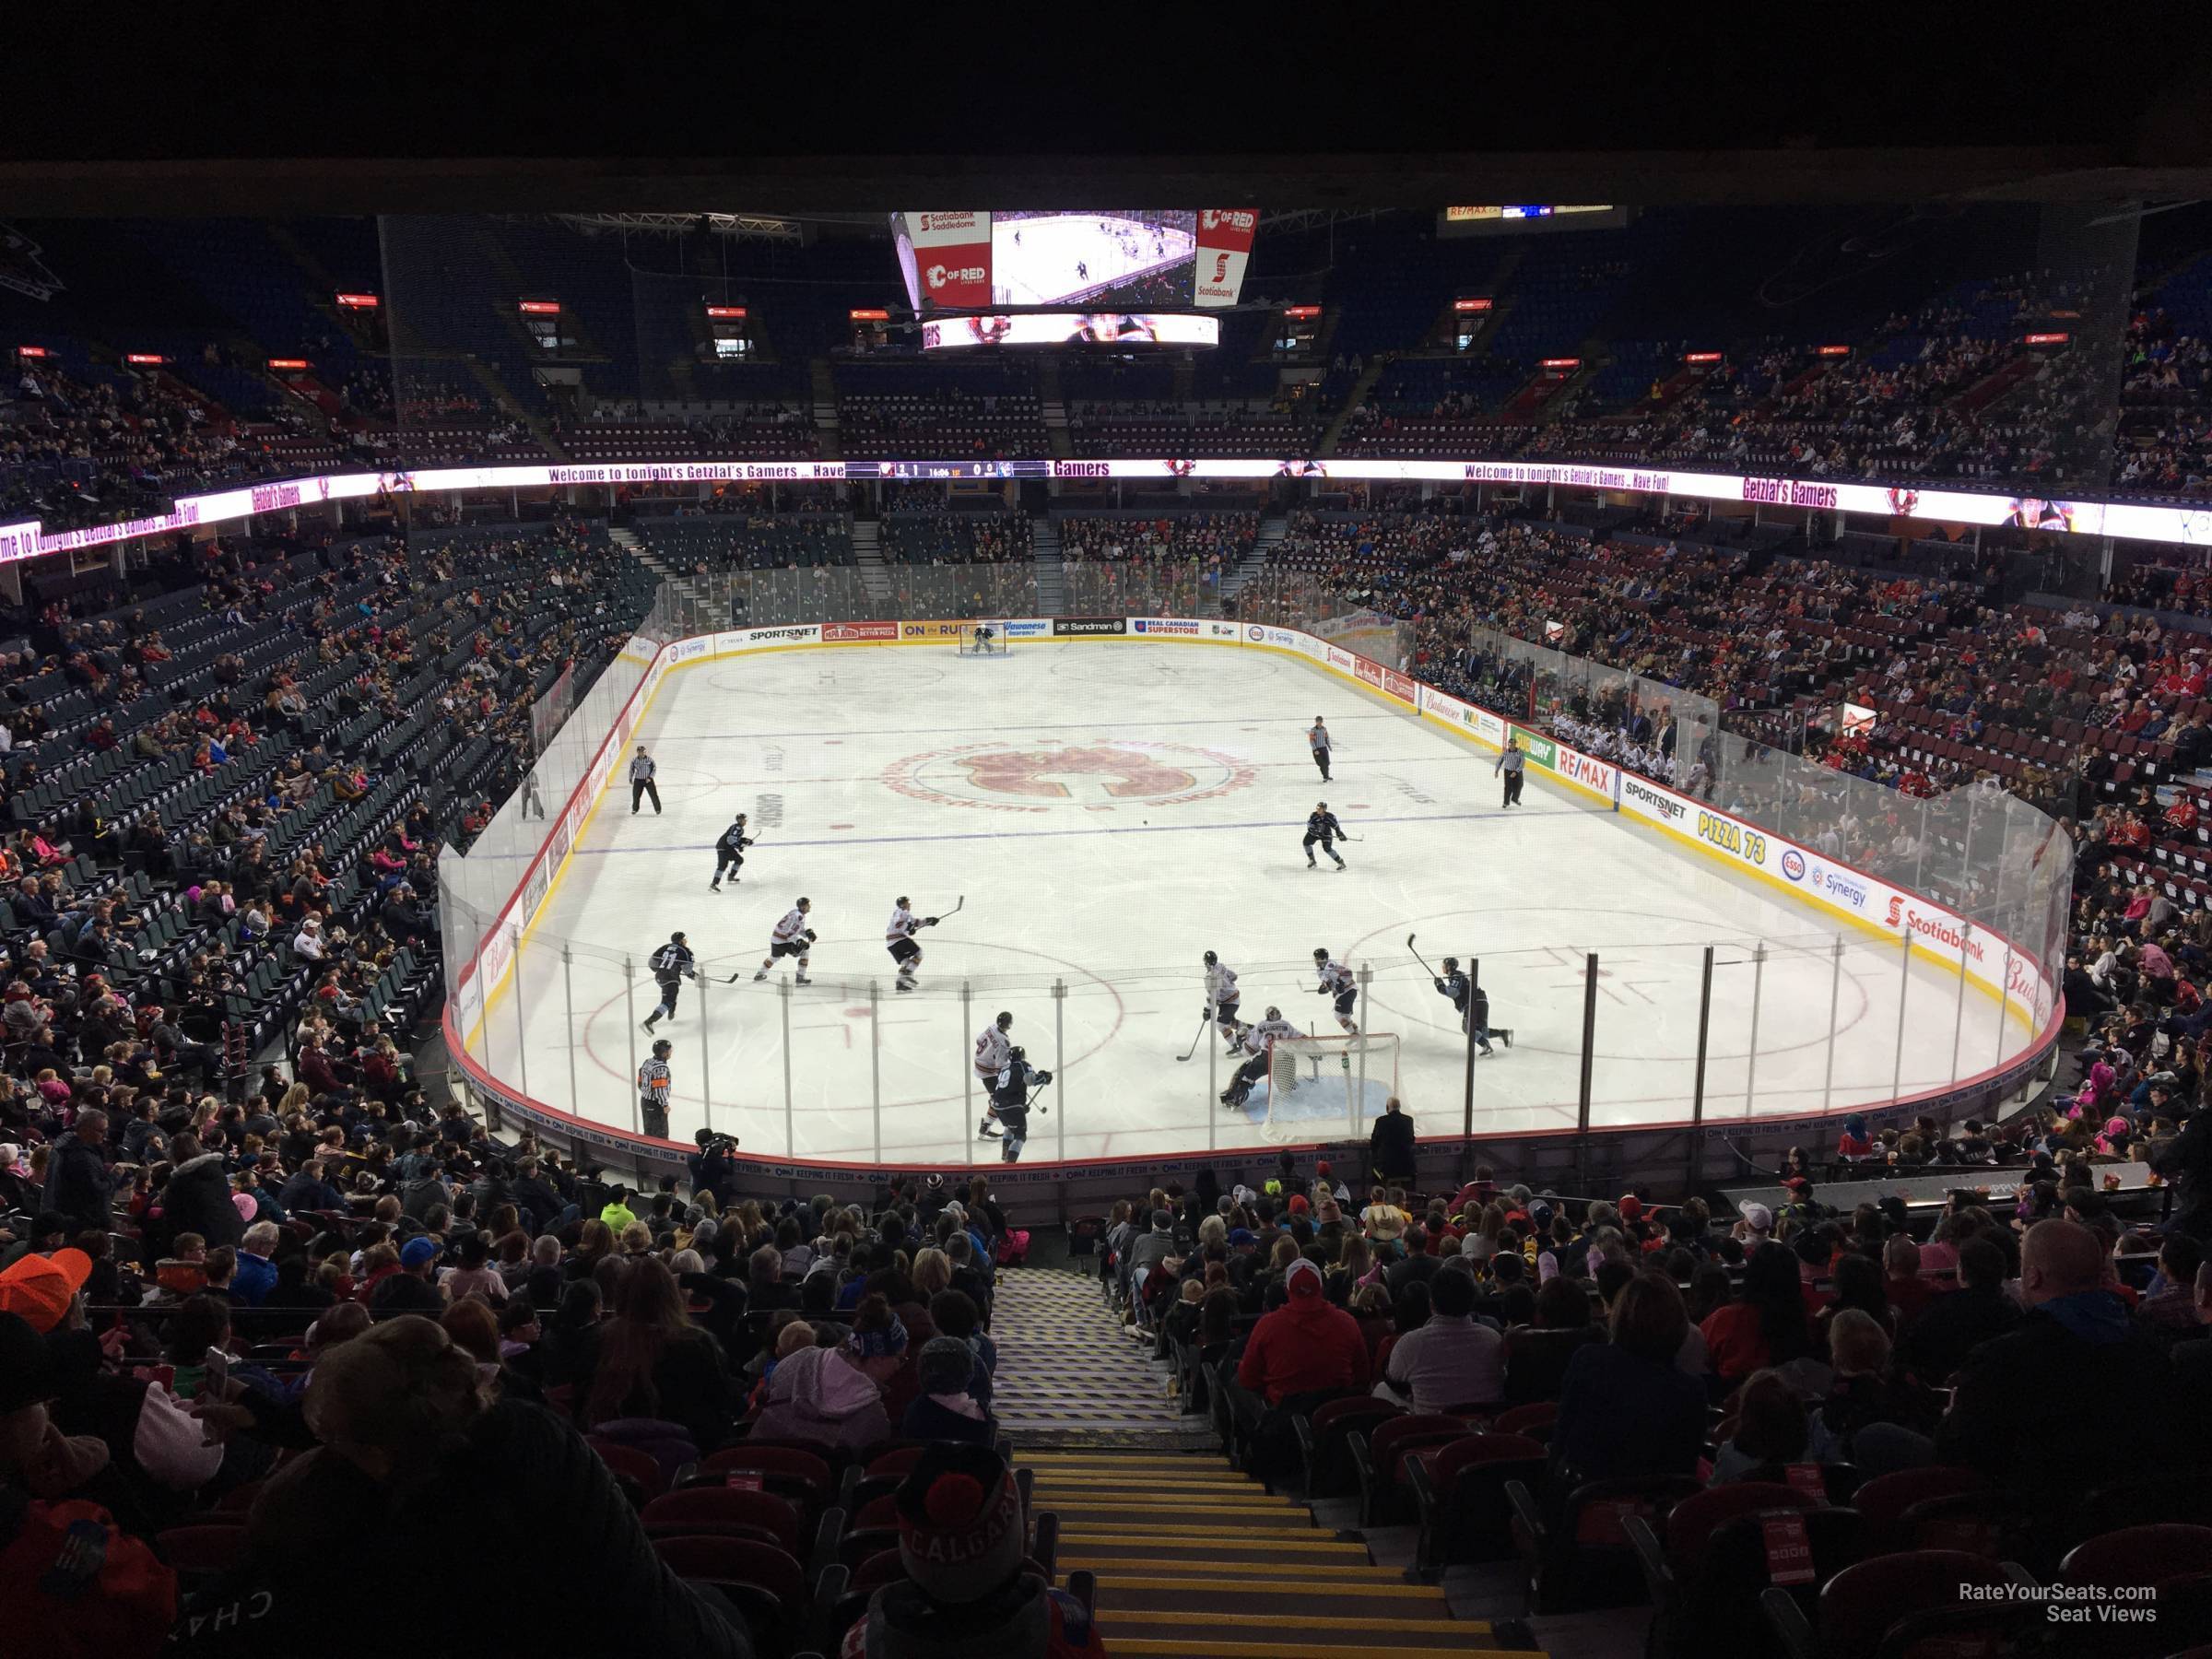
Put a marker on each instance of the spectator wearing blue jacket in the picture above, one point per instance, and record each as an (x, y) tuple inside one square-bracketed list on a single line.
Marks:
[(257, 1274)]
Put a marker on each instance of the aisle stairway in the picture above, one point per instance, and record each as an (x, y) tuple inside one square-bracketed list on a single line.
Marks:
[(1192, 1559), (1067, 1377), (1272, 529), (1196, 1560), (1051, 572), (875, 575)]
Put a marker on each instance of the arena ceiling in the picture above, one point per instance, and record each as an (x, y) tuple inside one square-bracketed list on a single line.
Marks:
[(667, 110)]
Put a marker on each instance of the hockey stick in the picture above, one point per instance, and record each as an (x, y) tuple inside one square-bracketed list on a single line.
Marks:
[(1423, 960), (1204, 1021), (956, 907)]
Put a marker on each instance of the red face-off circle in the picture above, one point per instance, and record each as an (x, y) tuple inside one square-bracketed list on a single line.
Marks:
[(1051, 775)]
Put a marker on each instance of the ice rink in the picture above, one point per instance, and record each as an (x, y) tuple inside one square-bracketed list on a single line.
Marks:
[(1075, 253), (1109, 812)]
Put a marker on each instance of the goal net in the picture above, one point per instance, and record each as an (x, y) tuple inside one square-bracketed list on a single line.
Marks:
[(1323, 1087), (972, 641)]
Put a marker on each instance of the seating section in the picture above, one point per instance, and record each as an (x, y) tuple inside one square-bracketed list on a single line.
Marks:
[(752, 541)]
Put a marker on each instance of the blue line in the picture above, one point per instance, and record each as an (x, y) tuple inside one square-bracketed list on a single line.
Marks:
[(871, 840)]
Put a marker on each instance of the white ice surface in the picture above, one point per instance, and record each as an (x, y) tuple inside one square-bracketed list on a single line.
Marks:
[(1041, 269), (1145, 805)]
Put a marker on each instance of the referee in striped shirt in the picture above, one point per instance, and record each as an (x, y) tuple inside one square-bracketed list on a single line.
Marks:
[(652, 1091), (641, 782)]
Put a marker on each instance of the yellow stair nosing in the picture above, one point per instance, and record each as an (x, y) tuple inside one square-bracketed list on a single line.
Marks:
[(1110, 1578), (1120, 1534), (1078, 1560), (1326, 1621), (1138, 1645), (1102, 1477)]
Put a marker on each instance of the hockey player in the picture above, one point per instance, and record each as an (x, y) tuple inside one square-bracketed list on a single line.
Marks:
[(653, 1090), (992, 1048), (1317, 740), (1011, 1103), (670, 965), (983, 636), (1322, 826), (1255, 1041), (641, 782), (790, 937), (1337, 982), (729, 852), (1474, 1005), (1221, 998), (899, 940)]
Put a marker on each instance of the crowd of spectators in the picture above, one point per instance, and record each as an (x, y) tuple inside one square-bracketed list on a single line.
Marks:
[(1665, 1343), (939, 535), (282, 1316), (1217, 541)]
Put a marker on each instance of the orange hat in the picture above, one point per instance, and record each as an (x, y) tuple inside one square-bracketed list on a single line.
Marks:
[(39, 1289)]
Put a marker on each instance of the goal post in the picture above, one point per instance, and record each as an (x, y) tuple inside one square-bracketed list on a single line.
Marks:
[(986, 636), (1322, 1087)]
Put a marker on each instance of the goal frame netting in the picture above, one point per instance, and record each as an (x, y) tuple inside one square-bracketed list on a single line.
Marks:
[(1353, 1074), (966, 644)]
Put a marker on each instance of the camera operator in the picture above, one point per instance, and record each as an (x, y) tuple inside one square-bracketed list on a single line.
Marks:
[(1011, 1103), (714, 1167)]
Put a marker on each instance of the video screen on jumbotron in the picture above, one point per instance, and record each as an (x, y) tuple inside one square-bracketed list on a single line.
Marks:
[(1109, 267), (1095, 260)]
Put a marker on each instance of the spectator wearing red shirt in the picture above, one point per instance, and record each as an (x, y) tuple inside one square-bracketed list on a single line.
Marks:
[(1766, 1324), (1305, 1347)]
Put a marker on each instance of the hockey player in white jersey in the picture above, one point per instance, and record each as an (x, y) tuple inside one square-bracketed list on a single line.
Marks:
[(994, 1048), (1221, 999), (1254, 1042), (790, 937), (899, 940), (1337, 984)]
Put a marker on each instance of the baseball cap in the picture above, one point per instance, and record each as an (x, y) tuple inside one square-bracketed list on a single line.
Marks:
[(25, 1367), (416, 1251), (1798, 1185), (37, 1289), (1758, 1218), (1242, 1235), (1303, 1279)]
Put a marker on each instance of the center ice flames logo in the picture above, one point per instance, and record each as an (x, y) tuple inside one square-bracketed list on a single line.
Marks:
[(1094, 777), (1126, 774)]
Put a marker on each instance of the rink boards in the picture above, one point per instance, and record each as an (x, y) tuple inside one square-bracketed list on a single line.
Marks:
[(1994, 966)]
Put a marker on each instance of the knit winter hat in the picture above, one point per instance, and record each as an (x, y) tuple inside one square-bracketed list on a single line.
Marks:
[(888, 1343), (946, 1365), (961, 1534)]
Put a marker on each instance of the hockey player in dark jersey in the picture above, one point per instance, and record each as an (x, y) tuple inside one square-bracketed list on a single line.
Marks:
[(1321, 826), (729, 852), (1474, 1005), (670, 965)]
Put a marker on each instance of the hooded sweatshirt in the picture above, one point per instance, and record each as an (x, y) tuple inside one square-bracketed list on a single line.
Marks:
[(818, 1397), (1307, 1346)]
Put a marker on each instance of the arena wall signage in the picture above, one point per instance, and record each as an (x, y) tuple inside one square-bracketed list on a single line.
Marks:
[(2123, 519), (2024, 988)]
